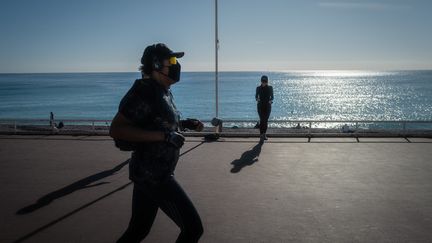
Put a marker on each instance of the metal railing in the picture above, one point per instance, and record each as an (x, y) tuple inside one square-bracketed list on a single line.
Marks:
[(401, 127), (44, 124), (306, 126)]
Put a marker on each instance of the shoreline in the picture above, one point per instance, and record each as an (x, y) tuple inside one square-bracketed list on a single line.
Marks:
[(97, 130), (234, 71)]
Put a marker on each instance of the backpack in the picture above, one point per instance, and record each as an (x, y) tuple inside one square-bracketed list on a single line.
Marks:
[(126, 145)]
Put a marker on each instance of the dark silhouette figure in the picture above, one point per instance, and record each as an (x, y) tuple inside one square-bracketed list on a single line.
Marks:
[(60, 125), (147, 114), (264, 98), (247, 158), (51, 119), (81, 184)]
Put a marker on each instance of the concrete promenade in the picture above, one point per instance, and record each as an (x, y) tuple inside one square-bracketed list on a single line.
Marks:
[(76, 189)]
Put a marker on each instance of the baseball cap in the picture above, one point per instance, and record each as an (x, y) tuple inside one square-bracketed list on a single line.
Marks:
[(160, 51)]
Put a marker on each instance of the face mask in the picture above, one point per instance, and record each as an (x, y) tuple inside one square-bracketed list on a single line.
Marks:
[(174, 72)]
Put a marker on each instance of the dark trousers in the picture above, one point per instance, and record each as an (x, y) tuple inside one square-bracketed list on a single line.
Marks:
[(264, 110), (170, 197)]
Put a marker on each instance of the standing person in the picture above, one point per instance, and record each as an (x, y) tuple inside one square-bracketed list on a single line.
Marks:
[(51, 119), (148, 124), (264, 98)]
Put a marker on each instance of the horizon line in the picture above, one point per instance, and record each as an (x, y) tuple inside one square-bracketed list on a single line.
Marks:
[(232, 71)]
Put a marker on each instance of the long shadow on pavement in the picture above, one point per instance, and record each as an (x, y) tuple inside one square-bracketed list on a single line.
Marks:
[(247, 158), (78, 185), (106, 173)]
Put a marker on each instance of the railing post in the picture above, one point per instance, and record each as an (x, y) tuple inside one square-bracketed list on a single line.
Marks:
[(93, 126), (15, 127), (404, 128)]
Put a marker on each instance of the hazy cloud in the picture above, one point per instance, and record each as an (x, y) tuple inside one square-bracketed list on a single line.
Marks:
[(375, 6)]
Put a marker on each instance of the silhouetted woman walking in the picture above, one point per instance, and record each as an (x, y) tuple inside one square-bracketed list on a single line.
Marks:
[(264, 98)]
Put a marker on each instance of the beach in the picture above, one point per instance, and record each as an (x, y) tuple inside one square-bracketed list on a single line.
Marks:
[(76, 189)]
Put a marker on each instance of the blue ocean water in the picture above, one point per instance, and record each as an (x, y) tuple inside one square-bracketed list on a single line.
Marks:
[(302, 95)]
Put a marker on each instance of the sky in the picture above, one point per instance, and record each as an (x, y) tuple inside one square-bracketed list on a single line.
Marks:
[(254, 35)]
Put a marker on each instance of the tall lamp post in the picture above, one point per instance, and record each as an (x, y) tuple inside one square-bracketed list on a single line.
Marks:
[(216, 58)]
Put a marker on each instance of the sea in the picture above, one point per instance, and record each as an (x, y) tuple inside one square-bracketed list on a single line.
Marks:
[(298, 95)]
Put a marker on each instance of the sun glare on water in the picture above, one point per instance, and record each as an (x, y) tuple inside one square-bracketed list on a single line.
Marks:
[(343, 73)]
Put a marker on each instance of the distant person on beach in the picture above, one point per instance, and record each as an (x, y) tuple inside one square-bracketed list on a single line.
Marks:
[(148, 122), (346, 129), (264, 98), (51, 119), (60, 125), (53, 125)]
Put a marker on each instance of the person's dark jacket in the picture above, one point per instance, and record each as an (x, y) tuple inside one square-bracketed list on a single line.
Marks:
[(264, 94), (150, 106)]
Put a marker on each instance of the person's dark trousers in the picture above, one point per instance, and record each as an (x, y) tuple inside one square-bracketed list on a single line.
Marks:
[(264, 110), (170, 197)]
